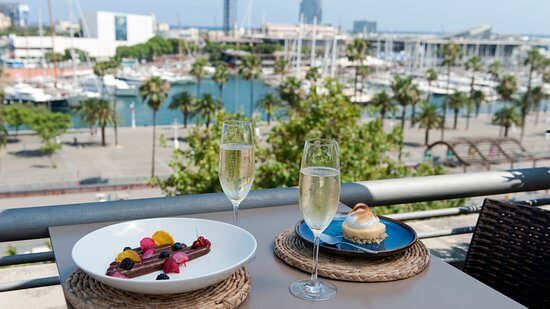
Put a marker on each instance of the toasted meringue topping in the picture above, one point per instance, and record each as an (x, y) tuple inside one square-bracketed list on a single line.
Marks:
[(361, 217)]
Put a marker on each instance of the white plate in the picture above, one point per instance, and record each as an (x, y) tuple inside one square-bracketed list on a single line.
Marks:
[(232, 247)]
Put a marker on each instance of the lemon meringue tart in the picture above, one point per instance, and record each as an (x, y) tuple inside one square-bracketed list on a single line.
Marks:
[(363, 227)]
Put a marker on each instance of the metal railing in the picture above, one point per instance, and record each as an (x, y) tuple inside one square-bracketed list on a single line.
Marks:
[(36, 220)]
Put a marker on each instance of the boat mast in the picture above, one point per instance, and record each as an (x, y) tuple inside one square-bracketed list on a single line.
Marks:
[(299, 47), (52, 33), (313, 34), (71, 35)]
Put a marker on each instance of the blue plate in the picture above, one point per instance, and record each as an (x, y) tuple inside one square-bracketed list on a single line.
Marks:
[(400, 237)]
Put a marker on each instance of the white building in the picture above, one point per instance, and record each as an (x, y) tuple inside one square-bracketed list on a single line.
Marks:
[(103, 33)]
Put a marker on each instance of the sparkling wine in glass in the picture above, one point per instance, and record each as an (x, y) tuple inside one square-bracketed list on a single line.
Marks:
[(319, 194), (236, 169)]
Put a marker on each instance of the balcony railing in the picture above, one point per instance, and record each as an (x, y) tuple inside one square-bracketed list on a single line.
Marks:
[(33, 222)]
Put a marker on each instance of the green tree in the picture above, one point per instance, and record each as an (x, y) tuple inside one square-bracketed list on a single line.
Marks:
[(494, 69), (281, 67), (451, 53), (428, 118), (383, 103), (405, 93), (536, 61), (477, 99), (250, 69), (269, 103), (79, 54), (184, 102), (457, 101), (537, 96), (291, 92), (109, 67), (207, 107), (313, 74), (357, 51), (506, 117), (431, 76), (48, 126), (199, 72), (16, 116), (98, 111), (507, 88), (154, 92), (221, 77), (473, 64)]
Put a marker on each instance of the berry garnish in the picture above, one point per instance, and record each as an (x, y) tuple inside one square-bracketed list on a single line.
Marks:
[(127, 248), (163, 277), (164, 254), (171, 266), (201, 242), (177, 246), (128, 254), (146, 244), (180, 257), (127, 264), (148, 253)]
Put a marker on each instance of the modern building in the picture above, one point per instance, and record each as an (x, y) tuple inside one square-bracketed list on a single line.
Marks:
[(5, 21), (364, 26), (17, 12), (311, 10), (102, 31), (229, 15)]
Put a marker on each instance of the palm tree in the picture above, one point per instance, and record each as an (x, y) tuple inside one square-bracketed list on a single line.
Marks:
[(281, 67), (154, 91), (428, 118), (477, 98), (507, 87), (473, 64), (431, 76), (97, 111), (536, 61), (206, 107), (250, 70), (184, 102), (451, 52), (357, 51), (538, 95), (363, 72), (405, 93), (199, 72), (494, 69), (313, 74), (383, 102), (269, 102), (290, 91), (221, 77), (457, 101), (506, 117)]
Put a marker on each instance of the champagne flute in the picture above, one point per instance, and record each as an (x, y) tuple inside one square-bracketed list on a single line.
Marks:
[(236, 169), (319, 193)]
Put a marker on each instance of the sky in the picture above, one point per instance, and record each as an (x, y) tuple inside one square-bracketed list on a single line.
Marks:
[(506, 16)]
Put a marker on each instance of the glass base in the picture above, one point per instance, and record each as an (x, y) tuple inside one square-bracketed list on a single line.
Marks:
[(304, 289)]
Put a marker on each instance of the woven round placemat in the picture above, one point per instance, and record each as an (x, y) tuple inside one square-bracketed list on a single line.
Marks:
[(82, 291), (293, 251)]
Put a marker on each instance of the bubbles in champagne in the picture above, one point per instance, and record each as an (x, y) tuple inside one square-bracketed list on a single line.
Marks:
[(236, 170)]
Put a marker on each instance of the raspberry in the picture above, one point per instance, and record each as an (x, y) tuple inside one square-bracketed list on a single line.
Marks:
[(171, 266), (201, 242)]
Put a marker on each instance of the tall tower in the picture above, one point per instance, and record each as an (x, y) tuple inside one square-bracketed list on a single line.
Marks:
[(310, 9), (229, 15)]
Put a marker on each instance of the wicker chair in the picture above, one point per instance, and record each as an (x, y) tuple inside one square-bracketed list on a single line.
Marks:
[(510, 251)]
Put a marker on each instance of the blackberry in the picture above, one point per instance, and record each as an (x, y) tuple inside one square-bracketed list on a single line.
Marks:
[(127, 264), (177, 246), (127, 248), (164, 254), (163, 277)]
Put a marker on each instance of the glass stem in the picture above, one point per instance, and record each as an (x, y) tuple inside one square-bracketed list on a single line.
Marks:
[(314, 281), (235, 213)]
